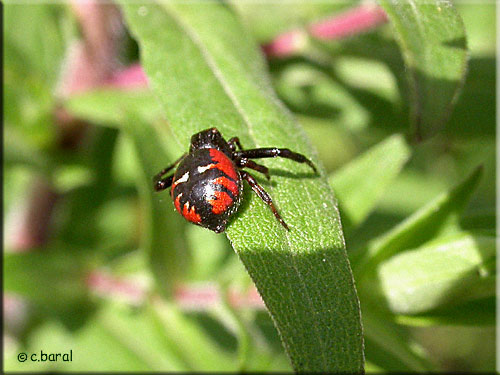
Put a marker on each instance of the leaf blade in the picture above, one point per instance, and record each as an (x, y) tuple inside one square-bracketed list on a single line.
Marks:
[(443, 273), (242, 103), (360, 184), (435, 218), (164, 240), (431, 36), (479, 312)]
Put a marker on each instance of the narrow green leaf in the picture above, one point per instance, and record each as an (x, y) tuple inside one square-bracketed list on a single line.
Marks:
[(437, 217), (269, 19), (21, 152), (193, 346), (33, 29), (207, 253), (110, 343), (51, 278), (445, 272), (107, 106), (360, 184), (129, 111), (309, 89), (390, 345), (82, 205), (214, 76), (432, 38), (412, 190), (480, 219), (163, 240), (481, 312)]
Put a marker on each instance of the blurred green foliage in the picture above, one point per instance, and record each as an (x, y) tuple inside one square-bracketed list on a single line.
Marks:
[(418, 217)]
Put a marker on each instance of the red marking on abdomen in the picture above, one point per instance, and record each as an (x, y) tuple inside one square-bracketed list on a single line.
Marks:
[(221, 202), (228, 184), (177, 203), (224, 164), (190, 213)]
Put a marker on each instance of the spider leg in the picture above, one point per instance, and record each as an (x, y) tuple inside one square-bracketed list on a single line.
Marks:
[(262, 195), (274, 152), (247, 163), (233, 142), (161, 184)]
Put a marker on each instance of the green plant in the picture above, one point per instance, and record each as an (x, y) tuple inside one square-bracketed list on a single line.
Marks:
[(114, 274)]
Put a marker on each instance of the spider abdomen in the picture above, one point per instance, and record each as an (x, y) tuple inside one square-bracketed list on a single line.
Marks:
[(206, 188)]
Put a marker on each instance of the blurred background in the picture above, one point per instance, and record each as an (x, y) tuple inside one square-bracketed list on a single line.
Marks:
[(76, 224)]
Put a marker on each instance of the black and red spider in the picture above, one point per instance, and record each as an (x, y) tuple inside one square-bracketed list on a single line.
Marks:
[(208, 182)]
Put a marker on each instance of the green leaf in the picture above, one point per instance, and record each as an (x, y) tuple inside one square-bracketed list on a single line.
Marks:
[(208, 253), (432, 38), (108, 106), (130, 111), (480, 21), (310, 89), (33, 48), (445, 272), (54, 279), (481, 312), (436, 218), (214, 76), (21, 152), (476, 104), (410, 191), (192, 345), (360, 183), (390, 346), (269, 19), (79, 225), (34, 30), (480, 219), (110, 342), (163, 239)]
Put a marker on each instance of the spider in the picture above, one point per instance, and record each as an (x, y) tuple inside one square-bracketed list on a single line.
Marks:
[(208, 183)]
